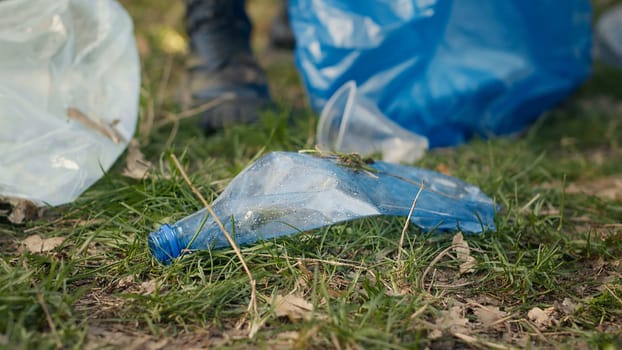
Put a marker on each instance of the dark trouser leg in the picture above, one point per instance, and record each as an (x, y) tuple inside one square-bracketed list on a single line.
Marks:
[(221, 64), (281, 35)]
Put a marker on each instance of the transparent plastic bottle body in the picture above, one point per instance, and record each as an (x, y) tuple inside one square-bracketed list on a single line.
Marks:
[(287, 193)]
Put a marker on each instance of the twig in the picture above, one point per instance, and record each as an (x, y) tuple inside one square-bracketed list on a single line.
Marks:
[(536, 330), (419, 311), (194, 111), (613, 294), (410, 213), (95, 124), (451, 286), (172, 135), (434, 261), (479, 342), (321, 261), (252, 306), (166, 75)]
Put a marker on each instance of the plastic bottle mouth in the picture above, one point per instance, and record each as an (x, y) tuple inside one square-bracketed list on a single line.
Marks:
[(164, 245)]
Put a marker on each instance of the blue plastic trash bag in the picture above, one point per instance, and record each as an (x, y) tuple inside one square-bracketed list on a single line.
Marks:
[(286, 193), (446, 69)]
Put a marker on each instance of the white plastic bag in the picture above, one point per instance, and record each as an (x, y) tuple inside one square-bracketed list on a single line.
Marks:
[(69, 88)]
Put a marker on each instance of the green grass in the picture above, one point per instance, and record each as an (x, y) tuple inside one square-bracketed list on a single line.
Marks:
[(101, 288)]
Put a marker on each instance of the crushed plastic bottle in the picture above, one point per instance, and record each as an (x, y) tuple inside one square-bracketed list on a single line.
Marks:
[(285, 193)]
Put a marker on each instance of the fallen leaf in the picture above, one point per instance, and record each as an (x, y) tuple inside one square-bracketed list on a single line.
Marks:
[(35, 244), (125, 282), (489, 315), (541, 318), (136, 167), (293, 307), (451, 321), (463, 253), (147, 287), (443, 169), (18, 210), (567, 306)]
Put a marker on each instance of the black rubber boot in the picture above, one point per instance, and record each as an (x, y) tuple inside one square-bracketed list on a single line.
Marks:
[(221, 64), (281, 34)]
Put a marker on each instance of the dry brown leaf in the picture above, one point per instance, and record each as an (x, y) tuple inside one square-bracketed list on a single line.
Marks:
[(542, 318), (451, 321), (125, 282), (443, 169), (35, 244), (136, 166), (148, 287), (567, 307), (489, 315), (463, 253), (293, 307), (18, 210)]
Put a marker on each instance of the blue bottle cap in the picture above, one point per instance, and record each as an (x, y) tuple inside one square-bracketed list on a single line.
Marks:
[(164, 245)]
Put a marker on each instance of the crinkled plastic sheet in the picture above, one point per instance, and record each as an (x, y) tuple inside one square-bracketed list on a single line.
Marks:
[(69, 84), (286, 193)]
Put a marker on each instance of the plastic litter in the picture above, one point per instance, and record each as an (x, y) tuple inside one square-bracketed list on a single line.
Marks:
[(286, 193), (352, 123), (446, 69), (69, 86), (609, 37)]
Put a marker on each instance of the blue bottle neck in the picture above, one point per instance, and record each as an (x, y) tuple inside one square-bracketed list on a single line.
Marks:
[(164, 244)]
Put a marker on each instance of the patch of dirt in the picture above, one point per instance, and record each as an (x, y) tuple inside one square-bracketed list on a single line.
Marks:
[(608, 187), (119, 337), (102, 336), (100, 304)]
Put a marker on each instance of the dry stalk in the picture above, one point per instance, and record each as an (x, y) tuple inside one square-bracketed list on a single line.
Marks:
[(171, 118), (252, 306), (321, 261), (476, 342), (410, 213), (434, 262), (613, 294)]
